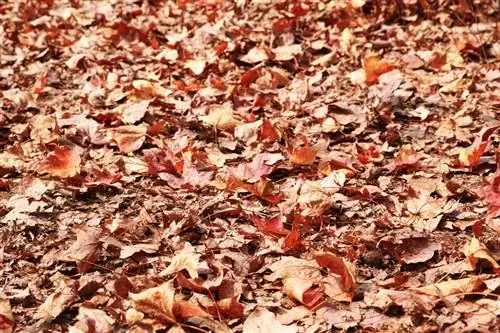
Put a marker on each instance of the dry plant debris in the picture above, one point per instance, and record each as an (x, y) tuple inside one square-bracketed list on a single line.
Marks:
[(249, 166)]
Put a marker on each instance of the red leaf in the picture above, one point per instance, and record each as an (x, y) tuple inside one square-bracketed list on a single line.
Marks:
[(471, 156), (268, 132), (63, 162), (374, 67), (274, 226), (183, 310), (311, 297), (4, 185), (298, 10), (282, 25), (406, 158), (42, 81), (292, 240), (162, 161), (490, 193)]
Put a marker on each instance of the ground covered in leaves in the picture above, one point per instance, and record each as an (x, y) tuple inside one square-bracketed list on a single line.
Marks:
[(249, 166)]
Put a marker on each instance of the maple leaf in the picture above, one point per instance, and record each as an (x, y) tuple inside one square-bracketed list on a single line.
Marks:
[(471, 156), (157, 302), (339, 267), (85, 250), (41, 83), (452, 287), (406, 158), (374, 67), (475, 251), (163, 160), (261, 165), (273, 226), (228, 308), (221, 117), (55, 304), (7, 322), (490, 193), (62, 162)]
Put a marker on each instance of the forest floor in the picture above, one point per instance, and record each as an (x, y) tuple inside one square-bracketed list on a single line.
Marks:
[(249, 166)]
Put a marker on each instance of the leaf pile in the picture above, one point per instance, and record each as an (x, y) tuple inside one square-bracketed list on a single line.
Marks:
[(249, 166)]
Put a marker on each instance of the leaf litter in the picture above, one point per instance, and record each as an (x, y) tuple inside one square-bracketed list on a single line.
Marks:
[(249, 166)]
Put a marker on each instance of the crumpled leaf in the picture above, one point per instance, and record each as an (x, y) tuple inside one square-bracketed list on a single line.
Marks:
[(452, 287), (92, 319)]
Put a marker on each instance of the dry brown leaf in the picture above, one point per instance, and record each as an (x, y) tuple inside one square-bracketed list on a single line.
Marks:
[(262, 320), (187, 259), (63, 162), (452, 287), (85, 249), (92, 320), (128, 138), (157, 302), (475, 250), (55, 304), (6, 317), (221, 117)]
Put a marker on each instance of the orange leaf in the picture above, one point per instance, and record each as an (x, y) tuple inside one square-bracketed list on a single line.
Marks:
[(250, 76), (62, 162), (374, 67), (268, 132), (338, 267), (303, 155), (227, 308)]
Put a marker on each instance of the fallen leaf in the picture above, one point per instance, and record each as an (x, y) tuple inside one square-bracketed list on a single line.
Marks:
[(85, 250), (452, 287), (262, 320), (157, 302), (92, 319), (345, 271), (135, 112), (221, 117), (128, 138), (187, 259), (55, 304), (62, 162), (303, 155), (7, 322), (374, 67), (197, 66), (475, 251)]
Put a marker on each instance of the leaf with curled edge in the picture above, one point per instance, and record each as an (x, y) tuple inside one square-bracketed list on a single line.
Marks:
[(129, 138)]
